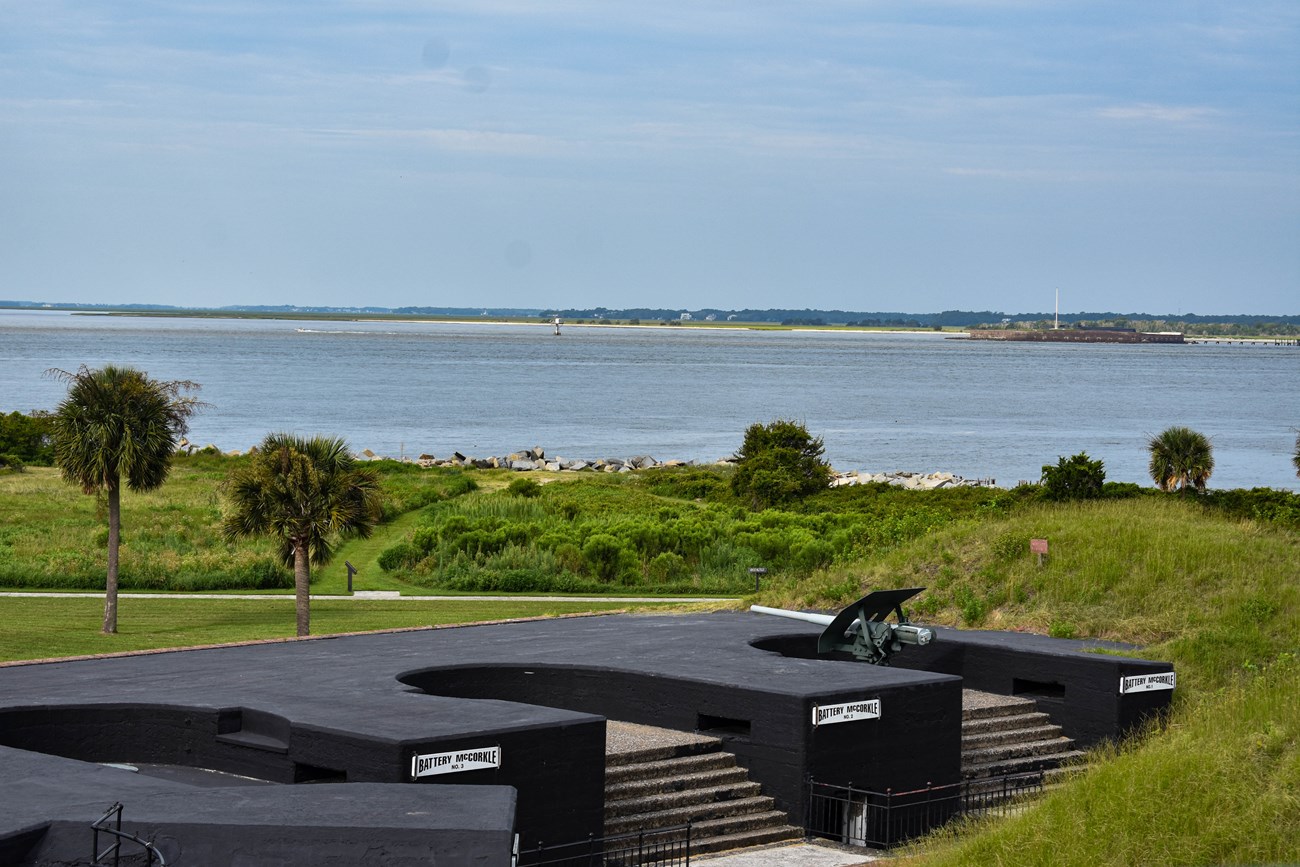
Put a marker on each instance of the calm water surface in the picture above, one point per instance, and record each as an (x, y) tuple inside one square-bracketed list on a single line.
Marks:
[(880, 401)]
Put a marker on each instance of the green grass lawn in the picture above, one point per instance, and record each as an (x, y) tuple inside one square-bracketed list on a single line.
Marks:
[(44, 627)]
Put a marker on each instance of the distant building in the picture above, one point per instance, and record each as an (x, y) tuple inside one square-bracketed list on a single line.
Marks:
[(686, 317)]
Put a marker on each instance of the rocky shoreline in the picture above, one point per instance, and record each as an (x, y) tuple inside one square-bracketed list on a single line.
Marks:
[(535, 458)]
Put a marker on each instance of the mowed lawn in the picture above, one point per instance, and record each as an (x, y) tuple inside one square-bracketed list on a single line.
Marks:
[(45, 627)]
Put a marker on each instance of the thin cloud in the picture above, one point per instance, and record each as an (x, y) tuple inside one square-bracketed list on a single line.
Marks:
[(461, 140), (1179, 114)]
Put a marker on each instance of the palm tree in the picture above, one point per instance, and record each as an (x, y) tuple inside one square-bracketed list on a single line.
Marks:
[(118, 423), (1295, 459), (305, 493), (1181, 459)]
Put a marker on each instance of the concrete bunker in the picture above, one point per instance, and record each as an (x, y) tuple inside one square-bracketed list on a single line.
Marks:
[(366, 709)]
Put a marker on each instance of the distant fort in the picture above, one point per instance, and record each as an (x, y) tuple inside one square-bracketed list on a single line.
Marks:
[(1079, 335)]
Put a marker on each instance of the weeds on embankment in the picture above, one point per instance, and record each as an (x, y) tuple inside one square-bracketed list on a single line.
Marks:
[(1217, 596), (1219, 785), (1213, 594)]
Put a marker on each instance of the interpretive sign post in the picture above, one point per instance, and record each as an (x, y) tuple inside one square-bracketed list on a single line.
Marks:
[(1039, 547)]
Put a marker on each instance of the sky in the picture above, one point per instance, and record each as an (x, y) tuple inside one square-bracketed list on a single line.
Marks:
[(895, 155)]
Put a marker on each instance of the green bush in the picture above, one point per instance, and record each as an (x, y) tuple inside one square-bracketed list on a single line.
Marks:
[(666, 567), (523, 488), (26, 439), (779, 462), (1259, 504), (403, 555), (1073, 478), (604, 556), (685, 483), (1122, 490)]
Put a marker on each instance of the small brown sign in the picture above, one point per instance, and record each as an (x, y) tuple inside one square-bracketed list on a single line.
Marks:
[(1037, 546)]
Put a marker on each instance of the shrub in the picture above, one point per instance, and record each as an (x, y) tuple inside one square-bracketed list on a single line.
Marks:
[(1074, 478), (666, 567), (1121, 490), (523, 488), (403, 555), (602, 554), (1259, 504), (685, 483), (13, 463), (26, 439), (812, 555), (777, 463)]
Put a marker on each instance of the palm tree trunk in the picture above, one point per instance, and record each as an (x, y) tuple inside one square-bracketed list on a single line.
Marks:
[(302, 587), (114, 542)]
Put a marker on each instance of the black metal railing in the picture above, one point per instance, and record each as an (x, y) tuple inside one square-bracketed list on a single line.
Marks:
[(660, 847), (111, 824), (882, 820)]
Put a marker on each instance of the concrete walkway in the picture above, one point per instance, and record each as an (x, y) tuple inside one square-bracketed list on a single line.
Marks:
[(791, 855)]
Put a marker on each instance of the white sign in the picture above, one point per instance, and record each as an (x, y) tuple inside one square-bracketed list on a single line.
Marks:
[(432, 764), (826, 714), (1147, 682)]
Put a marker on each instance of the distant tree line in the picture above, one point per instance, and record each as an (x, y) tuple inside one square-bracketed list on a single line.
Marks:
[(1251, 324)]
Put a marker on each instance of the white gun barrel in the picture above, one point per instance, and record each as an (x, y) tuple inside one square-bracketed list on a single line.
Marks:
[(819, 619)]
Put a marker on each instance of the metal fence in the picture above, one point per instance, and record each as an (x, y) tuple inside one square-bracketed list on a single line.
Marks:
[(660, 847), (882, 820), (110, 824)]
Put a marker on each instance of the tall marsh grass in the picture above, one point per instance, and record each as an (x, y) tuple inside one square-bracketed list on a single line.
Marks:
[(599, 534)]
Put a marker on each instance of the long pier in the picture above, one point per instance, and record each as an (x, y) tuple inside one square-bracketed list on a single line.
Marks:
[(1249, 341)]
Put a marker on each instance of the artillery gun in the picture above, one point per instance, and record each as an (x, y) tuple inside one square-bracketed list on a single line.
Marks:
[(861, 629)]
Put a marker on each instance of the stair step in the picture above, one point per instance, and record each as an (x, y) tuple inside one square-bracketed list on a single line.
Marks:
[(701, 845), (1008, 736), (739, 809), (735, 832), (652, 754), (654, 785), (1017, 750), (738, 824), (661, 801), (981, 705), (669, 767), (1019, 765), (1000, 723)]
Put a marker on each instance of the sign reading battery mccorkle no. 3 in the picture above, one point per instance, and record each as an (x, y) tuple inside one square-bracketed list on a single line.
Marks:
[(455, 762), (826, 714)]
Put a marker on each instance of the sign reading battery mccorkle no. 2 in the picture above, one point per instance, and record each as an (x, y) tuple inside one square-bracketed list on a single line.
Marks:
[(826, 714), (455, 762)]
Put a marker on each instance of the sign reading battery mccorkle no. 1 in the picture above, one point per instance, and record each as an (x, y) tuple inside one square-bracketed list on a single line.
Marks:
[(458, 761), (826, 714), (1148, 682)]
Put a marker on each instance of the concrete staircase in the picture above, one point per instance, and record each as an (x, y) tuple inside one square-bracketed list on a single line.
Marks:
[(1002, 734), (656, 778)]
